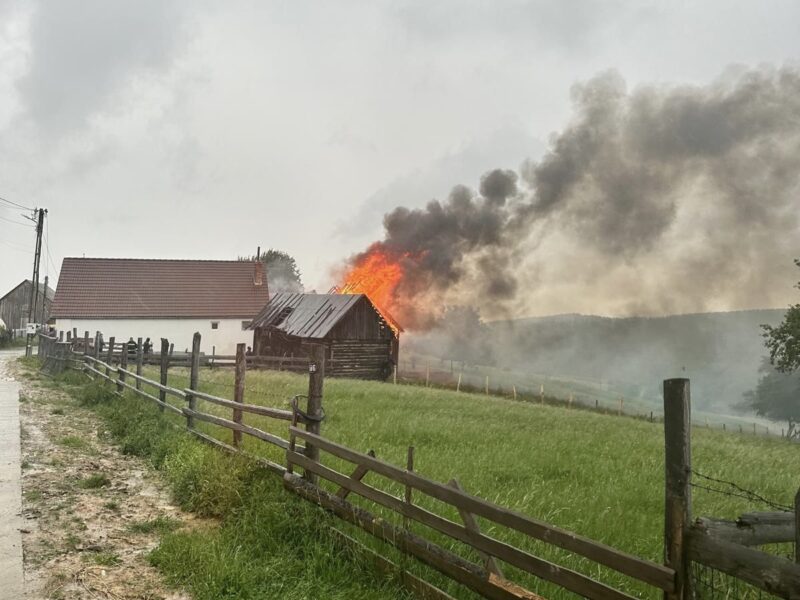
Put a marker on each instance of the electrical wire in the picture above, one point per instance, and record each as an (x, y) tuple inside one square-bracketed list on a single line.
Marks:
[(15, 222), (16, 204), (14, 247), (50, 262)]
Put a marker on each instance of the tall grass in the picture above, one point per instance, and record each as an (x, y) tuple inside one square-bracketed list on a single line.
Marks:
[(263, 541), (600, 476)]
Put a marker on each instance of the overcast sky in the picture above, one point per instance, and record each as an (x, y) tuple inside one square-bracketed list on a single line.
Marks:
[(202, 130)]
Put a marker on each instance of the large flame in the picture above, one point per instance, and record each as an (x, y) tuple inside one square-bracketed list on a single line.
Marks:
[(375, 273)]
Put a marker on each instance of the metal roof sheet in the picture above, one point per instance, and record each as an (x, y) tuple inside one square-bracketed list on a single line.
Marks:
[(311, 315)]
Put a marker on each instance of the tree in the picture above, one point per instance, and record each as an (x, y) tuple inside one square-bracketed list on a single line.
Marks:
[(282, 272), (777, 395)]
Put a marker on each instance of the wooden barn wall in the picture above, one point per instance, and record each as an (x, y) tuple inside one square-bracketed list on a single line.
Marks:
[(362, 322), (361, 345), (14, 307)]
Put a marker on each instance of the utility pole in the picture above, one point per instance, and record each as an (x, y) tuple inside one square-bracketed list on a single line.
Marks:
[(44, 298), (35, 279)]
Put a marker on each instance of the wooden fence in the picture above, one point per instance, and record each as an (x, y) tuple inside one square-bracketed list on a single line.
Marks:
[(705, 541), (729, 547)]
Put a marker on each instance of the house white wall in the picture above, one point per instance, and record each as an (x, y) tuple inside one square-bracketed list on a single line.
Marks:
[(177, 331)]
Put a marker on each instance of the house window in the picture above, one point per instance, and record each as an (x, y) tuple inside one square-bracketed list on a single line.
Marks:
[(214, 324), (245, 325)]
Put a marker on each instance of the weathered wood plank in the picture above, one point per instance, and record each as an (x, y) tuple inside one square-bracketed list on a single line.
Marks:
[(773, 574), (546, 570), (471, 523), (164, 405), (357, 475), (419, 587), (677, 489), (164, 388), (748, 535), (649, 572), (316, 378), (264, 411), (238, 391), (228, 424), (164, 369), (469, 574)]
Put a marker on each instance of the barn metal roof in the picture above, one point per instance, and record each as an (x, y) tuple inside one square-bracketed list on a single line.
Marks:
[(305, 315)]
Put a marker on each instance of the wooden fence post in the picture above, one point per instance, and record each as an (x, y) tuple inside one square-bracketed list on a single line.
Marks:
[(97, 338), (110, 355), (123, 365), (678, 495), (164, 359), (238, 390), (316, 379), (541, 392), (487, 385), (458, 385), (139, 361), (86, 343), (194, 377), (797, 527)]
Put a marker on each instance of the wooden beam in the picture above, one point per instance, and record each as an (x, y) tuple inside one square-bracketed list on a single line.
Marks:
[(238, 391), (419, 587), (469, 574), (677, 484), (471, 523), (316, 379), (357, 475), (748, 535), (656, 575), (564, 577), (768, 572)]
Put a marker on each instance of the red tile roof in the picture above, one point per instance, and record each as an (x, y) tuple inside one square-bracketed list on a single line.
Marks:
[(119, 288)]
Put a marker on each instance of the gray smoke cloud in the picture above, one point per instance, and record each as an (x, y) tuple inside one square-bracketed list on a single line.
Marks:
[(659, 199)]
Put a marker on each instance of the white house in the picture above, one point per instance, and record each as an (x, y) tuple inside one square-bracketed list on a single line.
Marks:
[(131, 297)]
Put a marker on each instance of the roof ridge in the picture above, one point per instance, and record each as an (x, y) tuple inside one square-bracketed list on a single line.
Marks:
[(209, 260)]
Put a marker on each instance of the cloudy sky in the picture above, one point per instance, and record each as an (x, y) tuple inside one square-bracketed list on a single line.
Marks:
[(176, 129)]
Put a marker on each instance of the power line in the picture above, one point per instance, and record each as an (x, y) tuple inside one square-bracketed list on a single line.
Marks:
[(47, 249), (15, 204), (15, 222), (15, 247)]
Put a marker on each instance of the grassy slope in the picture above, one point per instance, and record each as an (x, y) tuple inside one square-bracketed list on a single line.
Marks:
[(259, 541), (598, 475)]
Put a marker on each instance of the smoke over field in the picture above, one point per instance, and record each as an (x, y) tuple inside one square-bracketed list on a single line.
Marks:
[(654, 200)]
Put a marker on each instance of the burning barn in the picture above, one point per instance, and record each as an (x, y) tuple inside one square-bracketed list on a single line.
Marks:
[(361, 341)]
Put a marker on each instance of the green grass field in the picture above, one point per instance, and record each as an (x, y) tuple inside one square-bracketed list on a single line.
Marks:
[(598, 475)]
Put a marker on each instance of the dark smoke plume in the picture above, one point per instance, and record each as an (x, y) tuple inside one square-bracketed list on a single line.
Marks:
[(656, 200)]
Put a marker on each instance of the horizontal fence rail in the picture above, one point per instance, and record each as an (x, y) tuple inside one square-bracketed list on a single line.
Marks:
[(730, 547), (648, 572)]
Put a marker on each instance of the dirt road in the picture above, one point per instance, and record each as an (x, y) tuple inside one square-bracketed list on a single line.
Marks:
[(91, 514), (10, 487)]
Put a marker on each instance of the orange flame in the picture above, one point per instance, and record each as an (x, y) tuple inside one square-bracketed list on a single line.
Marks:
[(377, 274)]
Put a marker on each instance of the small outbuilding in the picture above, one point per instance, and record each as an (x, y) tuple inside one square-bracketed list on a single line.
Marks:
[(14, 306), (360, 341)]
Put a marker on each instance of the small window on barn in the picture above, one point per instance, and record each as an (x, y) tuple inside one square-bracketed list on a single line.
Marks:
[(214, 324), (245, 325)]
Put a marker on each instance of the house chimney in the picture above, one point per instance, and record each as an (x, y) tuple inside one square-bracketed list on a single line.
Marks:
[(258, 275)]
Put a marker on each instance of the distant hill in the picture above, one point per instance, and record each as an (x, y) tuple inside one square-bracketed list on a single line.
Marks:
[(720, 352)]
